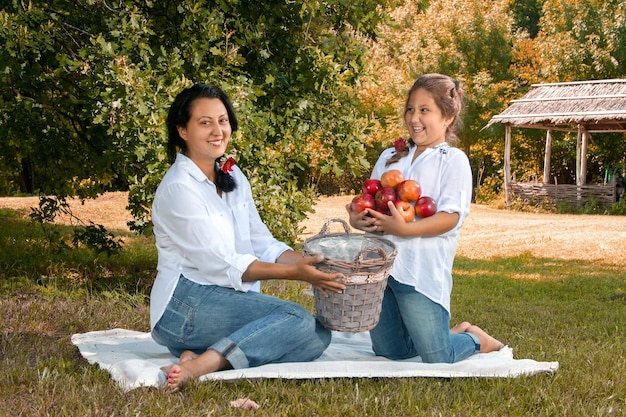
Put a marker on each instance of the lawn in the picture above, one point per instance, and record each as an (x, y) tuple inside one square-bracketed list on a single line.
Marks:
[(544, 303)]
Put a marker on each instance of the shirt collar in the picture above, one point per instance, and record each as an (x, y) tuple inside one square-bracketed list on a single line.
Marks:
[(190, 167)]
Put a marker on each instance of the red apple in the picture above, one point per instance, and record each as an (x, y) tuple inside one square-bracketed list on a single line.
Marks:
[(391, 178), (409, 190), (425, 206), (406, 209), (384, 196), (372, 186), (362, 202)]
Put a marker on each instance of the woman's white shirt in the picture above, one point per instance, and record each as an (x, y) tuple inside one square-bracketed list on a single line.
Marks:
[(444, 173), (206, 238)]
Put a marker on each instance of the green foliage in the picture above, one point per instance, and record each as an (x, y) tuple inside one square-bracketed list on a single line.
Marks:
[(28, 258), (592, 206), (93, 236), (489, 189), (527, 15), (92, 103), (618, 208), (581, 39), (98, 238)]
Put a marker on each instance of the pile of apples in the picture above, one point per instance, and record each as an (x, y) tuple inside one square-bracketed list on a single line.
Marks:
[(404, 194)]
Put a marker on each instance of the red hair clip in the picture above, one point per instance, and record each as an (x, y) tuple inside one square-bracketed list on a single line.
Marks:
[(227, 165), (400, 145)]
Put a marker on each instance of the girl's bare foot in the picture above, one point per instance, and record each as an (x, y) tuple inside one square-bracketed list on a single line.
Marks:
[(461, 327), (487, 343)]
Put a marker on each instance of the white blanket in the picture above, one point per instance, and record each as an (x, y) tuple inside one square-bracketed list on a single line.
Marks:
[(134, 360)]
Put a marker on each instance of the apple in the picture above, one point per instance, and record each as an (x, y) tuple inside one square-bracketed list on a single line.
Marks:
[(384, 196), (425, 206), (391, 178), (372, 186), (362, 202), (406, 209), (409, 190), (385, 212)]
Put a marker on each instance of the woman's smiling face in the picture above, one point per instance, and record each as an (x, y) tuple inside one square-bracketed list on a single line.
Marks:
[(208, 131), (424, 120)]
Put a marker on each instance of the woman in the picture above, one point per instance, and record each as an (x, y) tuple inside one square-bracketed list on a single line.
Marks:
[(213, 249), (415, 315)]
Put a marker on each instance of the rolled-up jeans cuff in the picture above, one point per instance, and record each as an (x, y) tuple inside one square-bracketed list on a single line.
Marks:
[(232, 353), (476, 341)]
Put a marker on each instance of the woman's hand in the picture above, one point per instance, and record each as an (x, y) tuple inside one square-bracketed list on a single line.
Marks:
[(323, 281), (302, 268)]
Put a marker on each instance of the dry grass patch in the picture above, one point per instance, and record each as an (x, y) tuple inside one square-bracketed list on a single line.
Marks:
[(487, 233)]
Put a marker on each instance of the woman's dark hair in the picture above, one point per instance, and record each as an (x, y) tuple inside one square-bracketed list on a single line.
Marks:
[(179, 115), (448, 95)]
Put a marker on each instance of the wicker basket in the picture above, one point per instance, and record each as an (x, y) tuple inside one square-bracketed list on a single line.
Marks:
[(365, 260)]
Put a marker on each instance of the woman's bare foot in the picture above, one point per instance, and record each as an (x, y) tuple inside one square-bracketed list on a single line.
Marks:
[(187, 356), (461, 327), (191, 365), (487, 343), (177, 376)]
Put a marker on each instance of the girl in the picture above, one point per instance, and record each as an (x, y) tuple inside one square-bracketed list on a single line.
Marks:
[(415, 316)]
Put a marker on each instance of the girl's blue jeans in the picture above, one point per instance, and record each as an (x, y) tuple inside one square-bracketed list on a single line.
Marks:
[(248, 328), (411, 324)]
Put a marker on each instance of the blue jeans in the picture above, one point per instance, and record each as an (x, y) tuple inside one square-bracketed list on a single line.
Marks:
[(411, 324), (249, 329)]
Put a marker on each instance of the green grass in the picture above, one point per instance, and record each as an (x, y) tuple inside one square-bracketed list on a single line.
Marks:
[(572, 312)]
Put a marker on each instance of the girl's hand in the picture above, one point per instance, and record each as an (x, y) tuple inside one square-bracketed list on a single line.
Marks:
[(361, 221), (392, 225), (435, 225)]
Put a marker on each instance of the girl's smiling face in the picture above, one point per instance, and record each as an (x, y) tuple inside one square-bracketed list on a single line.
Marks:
[(208, 131), (423, 118)]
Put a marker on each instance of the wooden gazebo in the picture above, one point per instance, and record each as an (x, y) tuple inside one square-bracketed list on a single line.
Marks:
[(584, 107)]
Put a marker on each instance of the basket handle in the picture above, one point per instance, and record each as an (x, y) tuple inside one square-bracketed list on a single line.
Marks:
[(324, 229), (359, 259)]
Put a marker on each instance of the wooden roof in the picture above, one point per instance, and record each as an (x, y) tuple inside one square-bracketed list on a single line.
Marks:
[(598, 105)]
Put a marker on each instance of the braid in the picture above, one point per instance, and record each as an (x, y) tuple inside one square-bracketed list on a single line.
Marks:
[(401, 154), (223, 180)]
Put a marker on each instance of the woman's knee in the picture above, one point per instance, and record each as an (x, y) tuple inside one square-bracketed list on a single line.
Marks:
[(437, 357)]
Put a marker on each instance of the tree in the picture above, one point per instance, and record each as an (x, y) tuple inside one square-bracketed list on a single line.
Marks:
[(86, 85), (583, 39), (577, 40), (526, 14)]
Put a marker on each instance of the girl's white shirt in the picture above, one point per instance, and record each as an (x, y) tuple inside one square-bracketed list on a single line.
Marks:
[(209, 239), (444, 173)]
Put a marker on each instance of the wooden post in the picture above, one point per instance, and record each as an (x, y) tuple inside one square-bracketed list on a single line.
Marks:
[(578, 154), (507, 163), (583, 157), (546, 158)]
